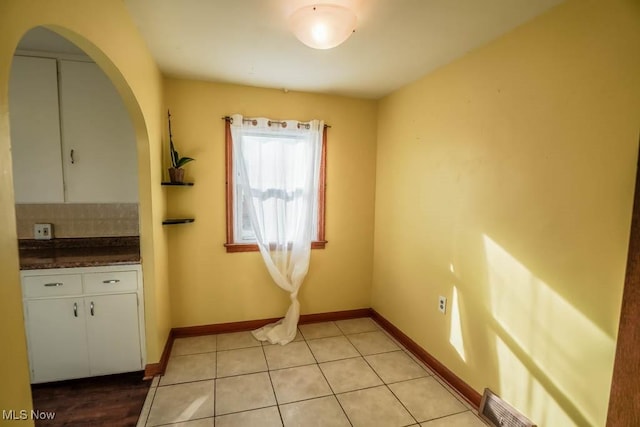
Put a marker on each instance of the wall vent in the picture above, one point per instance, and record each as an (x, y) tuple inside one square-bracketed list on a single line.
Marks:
[(499, 413)]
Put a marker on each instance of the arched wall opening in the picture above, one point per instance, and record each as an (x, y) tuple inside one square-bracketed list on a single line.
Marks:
[(106, 33)]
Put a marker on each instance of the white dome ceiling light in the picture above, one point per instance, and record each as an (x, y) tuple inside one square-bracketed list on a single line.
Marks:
[(323, 26)]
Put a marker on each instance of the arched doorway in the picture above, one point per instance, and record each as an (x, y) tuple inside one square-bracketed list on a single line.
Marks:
[(104, 31), (75, 179)]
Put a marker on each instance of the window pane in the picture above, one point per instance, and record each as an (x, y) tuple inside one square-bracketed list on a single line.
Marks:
[(266, 156), (247, 230), (240, 236)]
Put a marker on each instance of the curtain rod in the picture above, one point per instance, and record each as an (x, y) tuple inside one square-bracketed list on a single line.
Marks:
[(254, 121)]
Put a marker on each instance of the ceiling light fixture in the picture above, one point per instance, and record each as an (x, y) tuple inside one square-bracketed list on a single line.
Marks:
[(323, 26)]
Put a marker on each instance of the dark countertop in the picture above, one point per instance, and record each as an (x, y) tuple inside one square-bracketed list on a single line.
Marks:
[(82, 252)]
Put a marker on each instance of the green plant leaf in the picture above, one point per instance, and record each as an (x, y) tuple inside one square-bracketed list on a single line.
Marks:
[(174, 154), (183, 161), (176, 161)]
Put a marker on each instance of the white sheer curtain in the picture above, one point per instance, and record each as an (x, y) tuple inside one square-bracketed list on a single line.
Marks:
[(278, 167)]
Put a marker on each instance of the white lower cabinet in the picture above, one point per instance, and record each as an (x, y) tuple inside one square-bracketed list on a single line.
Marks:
[(57, 339), (79, 331), (112, 333)]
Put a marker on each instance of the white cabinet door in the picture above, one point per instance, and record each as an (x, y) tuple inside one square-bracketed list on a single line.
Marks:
[(113, 335), (35, 130), (56, 332), (97, 127), (84, 321)]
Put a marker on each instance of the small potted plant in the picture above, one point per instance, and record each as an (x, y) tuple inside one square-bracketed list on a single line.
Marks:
[(176, 173)]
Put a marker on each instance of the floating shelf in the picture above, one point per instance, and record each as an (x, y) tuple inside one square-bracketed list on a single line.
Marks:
[(171, 221), (180, 184)]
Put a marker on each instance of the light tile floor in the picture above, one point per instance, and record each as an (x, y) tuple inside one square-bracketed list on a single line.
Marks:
[(344, 373)]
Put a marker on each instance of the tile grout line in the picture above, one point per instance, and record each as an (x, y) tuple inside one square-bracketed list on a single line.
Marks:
[(215, 382), (317, 363), (363, 357), (153, 397), (400, 347), (334, 393), (451, 415), (403, 405), (384, 384), (459, 397), (269, 370), (335, 396), (389, 388), (273, 389), (431, 372), (215, 386)]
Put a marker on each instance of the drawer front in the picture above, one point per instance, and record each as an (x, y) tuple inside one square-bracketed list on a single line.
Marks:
[(55, 285), (108, 282)]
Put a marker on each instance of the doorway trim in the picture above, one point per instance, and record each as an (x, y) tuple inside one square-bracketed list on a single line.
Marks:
[(624, 398)]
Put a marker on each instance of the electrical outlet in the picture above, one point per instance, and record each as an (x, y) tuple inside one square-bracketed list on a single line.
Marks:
[(43, 231), (442, 304)]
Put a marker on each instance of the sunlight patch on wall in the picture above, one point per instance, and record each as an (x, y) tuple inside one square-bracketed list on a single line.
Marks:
[(524, 392), (564, 358), (455, 335)]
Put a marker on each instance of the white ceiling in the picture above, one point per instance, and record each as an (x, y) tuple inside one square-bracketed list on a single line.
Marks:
[(248, 41)]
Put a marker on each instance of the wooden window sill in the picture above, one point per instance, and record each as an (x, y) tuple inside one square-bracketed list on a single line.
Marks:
[(243, 247)]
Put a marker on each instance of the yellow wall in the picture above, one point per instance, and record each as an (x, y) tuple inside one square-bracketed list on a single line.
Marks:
[(507, 178), (504, 182), (105, 31), (209, 285)]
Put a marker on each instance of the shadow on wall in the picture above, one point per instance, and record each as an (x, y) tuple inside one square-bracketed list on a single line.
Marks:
[(553, 361)]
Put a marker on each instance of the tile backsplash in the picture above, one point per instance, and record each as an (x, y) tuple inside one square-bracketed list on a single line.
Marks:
[(79, 219)]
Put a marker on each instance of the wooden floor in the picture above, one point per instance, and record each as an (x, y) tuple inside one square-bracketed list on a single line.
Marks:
[(114, 400)]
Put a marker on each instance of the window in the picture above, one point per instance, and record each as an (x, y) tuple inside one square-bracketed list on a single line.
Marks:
[(262, 154)]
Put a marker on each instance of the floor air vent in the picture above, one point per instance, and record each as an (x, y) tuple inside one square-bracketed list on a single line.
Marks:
[(499, 413)]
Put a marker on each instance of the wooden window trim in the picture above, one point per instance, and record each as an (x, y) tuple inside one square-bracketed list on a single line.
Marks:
[(230, 245)]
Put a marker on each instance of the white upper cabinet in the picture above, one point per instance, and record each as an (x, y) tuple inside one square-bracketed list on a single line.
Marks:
[(35, 130), (72, 138), (97, 128)]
